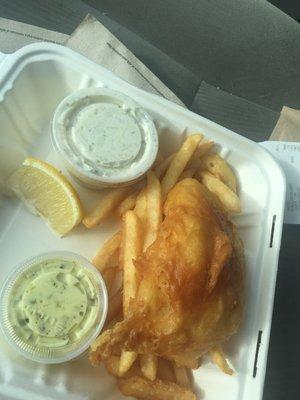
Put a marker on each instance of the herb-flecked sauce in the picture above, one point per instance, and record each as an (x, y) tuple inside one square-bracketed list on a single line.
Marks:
[(53, 304)]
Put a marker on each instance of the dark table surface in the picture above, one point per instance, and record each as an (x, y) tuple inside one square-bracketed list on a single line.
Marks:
[(247, 48)]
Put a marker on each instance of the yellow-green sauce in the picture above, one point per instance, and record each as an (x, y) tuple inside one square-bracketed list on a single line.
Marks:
[(53, 304)]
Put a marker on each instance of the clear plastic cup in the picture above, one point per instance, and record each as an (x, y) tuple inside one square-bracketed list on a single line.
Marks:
[(105, 138), (24, 300)]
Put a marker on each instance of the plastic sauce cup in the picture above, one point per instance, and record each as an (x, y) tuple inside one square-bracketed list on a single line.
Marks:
[(53, 306), (104, 137)]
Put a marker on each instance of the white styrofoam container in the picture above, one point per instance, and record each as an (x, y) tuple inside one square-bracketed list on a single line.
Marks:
[(33, 81)]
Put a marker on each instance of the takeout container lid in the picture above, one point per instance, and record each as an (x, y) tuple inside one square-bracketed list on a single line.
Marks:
[(98, 173), (78, 348)]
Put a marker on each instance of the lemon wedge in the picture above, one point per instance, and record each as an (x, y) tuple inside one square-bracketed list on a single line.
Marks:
[(46, 192)]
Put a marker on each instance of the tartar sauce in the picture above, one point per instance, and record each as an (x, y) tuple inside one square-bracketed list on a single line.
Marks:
[(105, 138), (52, 304), (104, 134)]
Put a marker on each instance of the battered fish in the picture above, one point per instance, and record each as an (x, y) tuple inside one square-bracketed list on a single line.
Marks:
[(190, 283)]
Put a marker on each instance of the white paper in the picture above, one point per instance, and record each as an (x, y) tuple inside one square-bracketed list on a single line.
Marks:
[(288, 156), (288, 126), (14, 35), (97, 43)]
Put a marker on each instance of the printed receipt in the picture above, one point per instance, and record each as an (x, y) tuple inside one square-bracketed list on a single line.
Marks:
[(288, 156)]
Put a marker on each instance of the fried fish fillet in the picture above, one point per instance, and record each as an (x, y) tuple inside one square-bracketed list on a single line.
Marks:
[(190, 283)]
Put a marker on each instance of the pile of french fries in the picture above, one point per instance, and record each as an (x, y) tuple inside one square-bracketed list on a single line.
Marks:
[(140, 208)]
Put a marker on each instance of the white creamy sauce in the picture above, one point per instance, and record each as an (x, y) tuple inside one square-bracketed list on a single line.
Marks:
[(105, 137), (106, 134)]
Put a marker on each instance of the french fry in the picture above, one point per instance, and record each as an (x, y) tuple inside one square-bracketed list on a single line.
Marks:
[(161, 168), (179, 163), (142, 388), (154, 209), (187, 173), (140, 208), (126, 360), (182, 376), (227, 197), (220, 169), (112, 367), (127, 204), (218, 358), (106, 207), (131, 248), (203, 148), (148, 363), (107, 252), (149, 209), (196, 154)]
